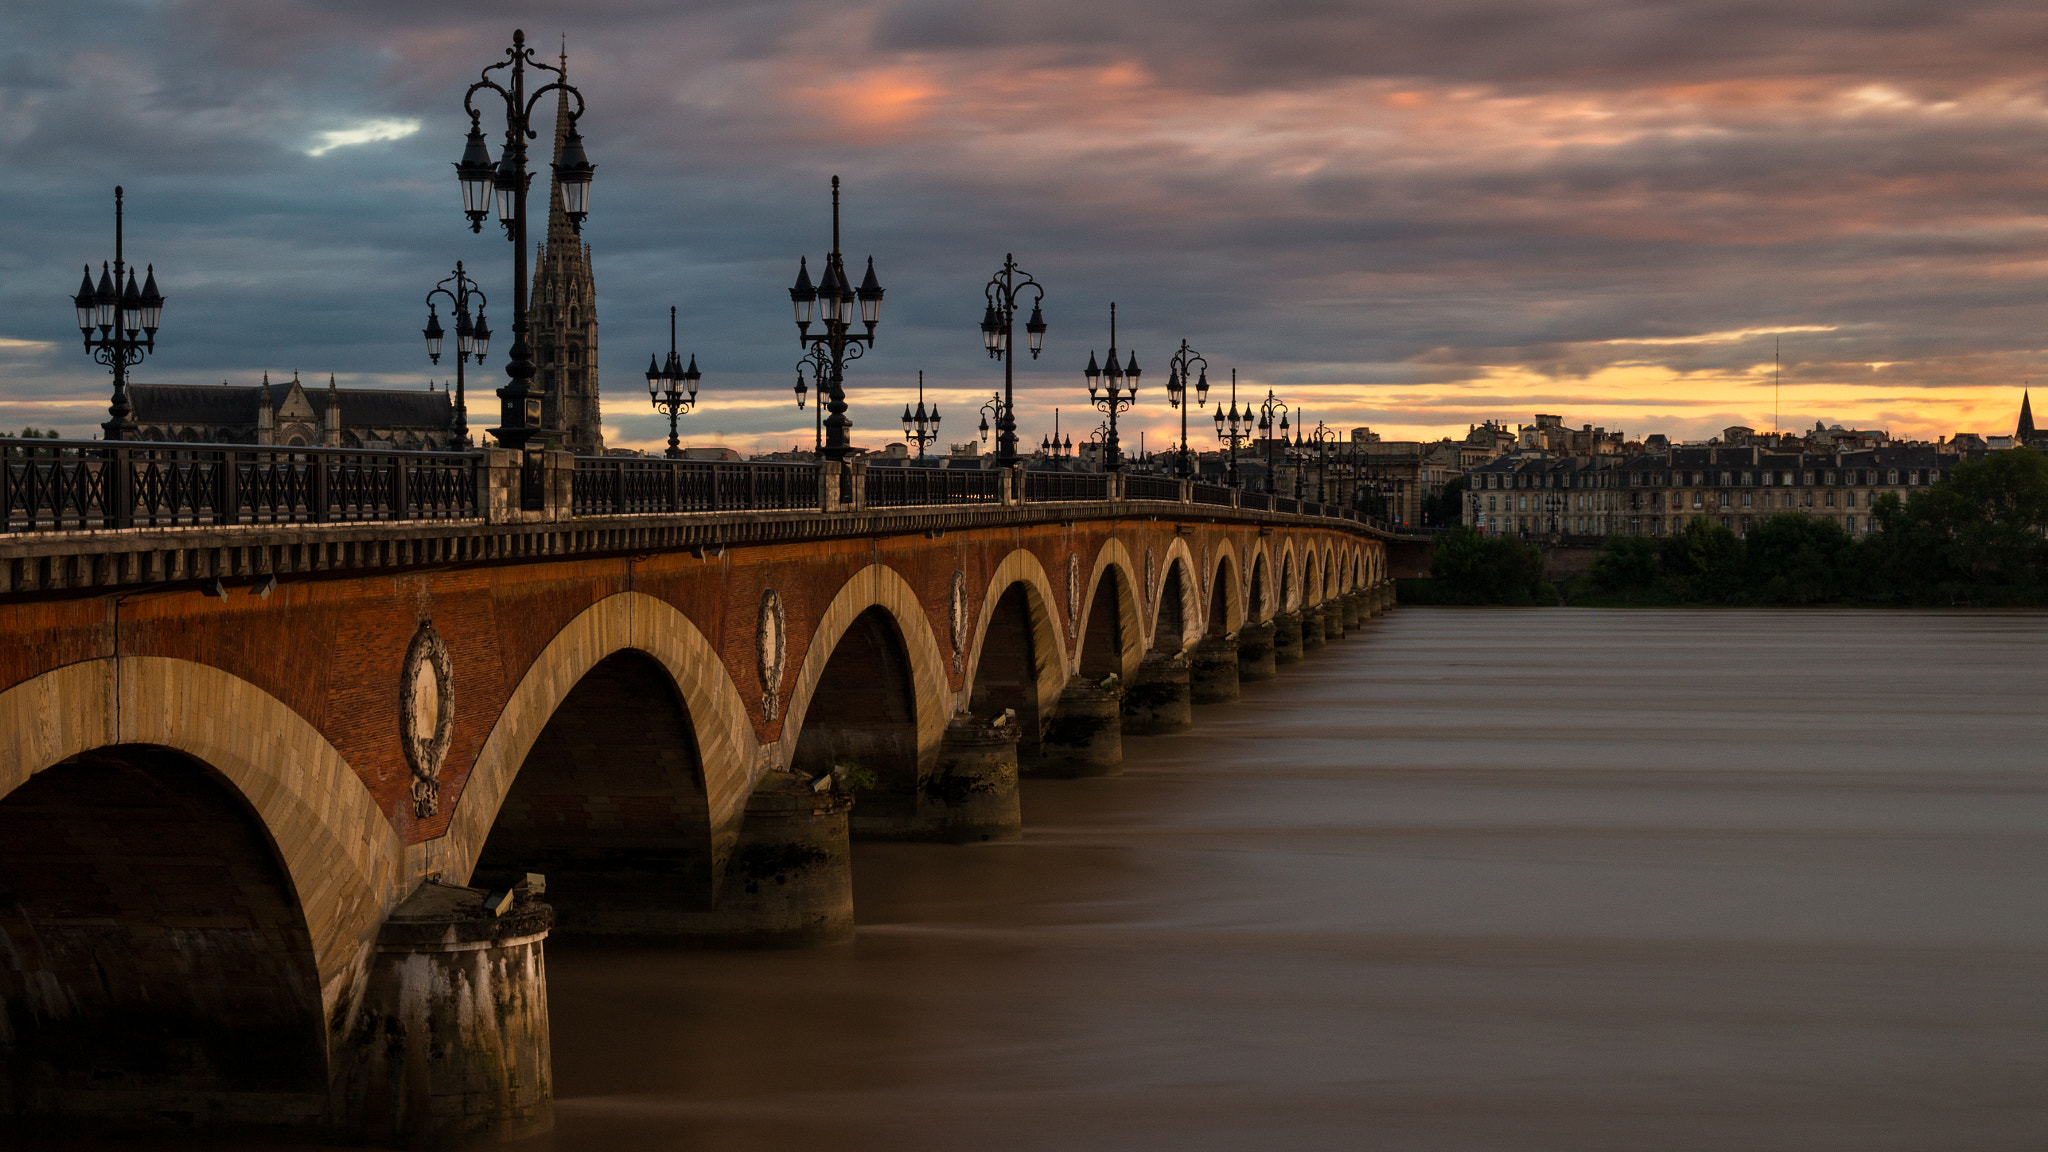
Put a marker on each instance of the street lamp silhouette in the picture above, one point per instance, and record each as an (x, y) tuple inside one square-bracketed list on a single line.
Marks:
[(671, 387), (918, 428), (126, 318)]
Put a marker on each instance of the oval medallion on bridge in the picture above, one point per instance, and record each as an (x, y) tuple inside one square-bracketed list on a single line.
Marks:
[(956, 618), (771, 644), (426, 715)]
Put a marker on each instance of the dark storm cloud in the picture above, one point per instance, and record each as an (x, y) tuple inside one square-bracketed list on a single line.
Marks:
[(1378, 204)]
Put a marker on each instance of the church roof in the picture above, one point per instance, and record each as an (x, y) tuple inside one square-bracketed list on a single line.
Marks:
[(193, 403), (233, 404), (387, 407)]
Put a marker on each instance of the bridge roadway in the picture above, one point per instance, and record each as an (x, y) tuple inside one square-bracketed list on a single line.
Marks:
[(293, 744)]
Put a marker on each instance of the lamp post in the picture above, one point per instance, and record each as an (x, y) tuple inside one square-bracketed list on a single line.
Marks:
[(1112, 390), (819, 364), (671, 387), (1321, 438), (832, 301), (126, 318), (472, 339), (919, 428), (1051, 447), (992, 409), (1231, 426), (1268, 409), (1184, 362), (999, 333), (519, 416)]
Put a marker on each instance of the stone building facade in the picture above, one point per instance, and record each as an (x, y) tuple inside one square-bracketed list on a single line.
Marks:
[(293, 415)]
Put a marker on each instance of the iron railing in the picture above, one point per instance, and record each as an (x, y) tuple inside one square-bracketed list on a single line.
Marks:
[(1155, 488), (615, 486), (910, 487), (1261, 501), (1212, 494), (1061, 486), (57, 485)]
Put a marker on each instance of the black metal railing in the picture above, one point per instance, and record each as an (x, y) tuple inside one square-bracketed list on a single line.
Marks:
[(1212, 494), (910, 487), (1061, 486), (56, 485), (614, 485), (1262, 501), (1152, 488)]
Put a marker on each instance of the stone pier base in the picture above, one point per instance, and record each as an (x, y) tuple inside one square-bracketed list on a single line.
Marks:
[(1312, 636), (449, 1043), (971, 793), (1156, 701), (1085, 736), (789, 883), (1287, 638), (1333, 619), (1255, 651), (1212, 672), (1355, 611)]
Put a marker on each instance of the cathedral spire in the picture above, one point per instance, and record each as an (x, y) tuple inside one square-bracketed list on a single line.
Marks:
[(2026, 428), (560, 231)]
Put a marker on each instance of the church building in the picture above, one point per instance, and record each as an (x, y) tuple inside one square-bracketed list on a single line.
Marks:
[(562, 314)]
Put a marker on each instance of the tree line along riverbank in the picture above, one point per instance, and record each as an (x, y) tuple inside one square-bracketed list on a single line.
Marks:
[(1975, 538)]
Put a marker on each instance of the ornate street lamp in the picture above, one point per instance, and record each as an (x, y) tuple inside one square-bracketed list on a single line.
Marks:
[(519, 415), (1112, 390), (1184, 363), (126, 318), (831, 301), (918, 428), (1051, 448), (1230, 427), (818, 364), (1322, 437), (999, 332), (1268, 409), (671, 387), (993, 409), (472, 339)]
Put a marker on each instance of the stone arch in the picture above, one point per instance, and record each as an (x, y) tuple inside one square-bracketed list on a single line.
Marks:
[(157, 958), (876, 586), (610, 804), (1111, 635), (1224, 611), (1311, 577), (862, 723), (1018, 603), (623, 622), (1290, 577), (1176, 617), (341, 853), (1259, 599)]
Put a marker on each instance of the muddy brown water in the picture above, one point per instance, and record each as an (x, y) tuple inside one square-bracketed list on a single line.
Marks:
[(1466, 880)]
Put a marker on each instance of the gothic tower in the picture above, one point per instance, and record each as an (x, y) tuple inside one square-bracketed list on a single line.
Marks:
[(2025, 433), (563, 315)]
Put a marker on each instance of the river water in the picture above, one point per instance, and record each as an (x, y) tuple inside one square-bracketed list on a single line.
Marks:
[(1467, 880)]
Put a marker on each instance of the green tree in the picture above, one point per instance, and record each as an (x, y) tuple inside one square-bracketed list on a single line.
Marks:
[(1795, 559), (1448, 505), (1467, 568), (1628, 566), (1707, 561)]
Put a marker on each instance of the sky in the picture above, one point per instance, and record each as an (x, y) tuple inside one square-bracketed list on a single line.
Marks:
[(1410, 215)]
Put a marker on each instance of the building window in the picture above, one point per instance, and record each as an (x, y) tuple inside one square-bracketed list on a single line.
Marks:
[(1831, 500), (1828, 478), (1748, 500), (1724, 499), (1808, 501), (1891, 476), (1850, 521), (1934, 477), (1726, 479), (1696, 503), (1806, 478)]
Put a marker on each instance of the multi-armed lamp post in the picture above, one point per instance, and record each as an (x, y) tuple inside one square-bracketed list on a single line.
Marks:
[(918, 428), (999, 335), (671, 387), (1268, 409), (1118, 391), (1322, 438), (831, 301), (519, 408), (1230, 427), (1186, 362), (126, 318), (1051, 446), (472, 338)]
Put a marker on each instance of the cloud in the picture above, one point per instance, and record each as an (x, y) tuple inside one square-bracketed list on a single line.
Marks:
[(367, 132)]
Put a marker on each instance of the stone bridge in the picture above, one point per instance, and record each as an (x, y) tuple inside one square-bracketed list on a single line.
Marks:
[(291, 744)]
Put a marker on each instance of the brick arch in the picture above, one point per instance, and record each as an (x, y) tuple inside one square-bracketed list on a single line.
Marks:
[(626, 621), (341, 853), (1177, 551), (1311, 575), (1114, 557), (1022, 566), (1260, 576), (875, 586), (1223, 574), (1288, 569)]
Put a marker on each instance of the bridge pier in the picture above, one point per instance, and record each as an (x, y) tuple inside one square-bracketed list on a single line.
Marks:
[(1312, 636), (1157, 700), (971, 793), (1212, 673), (789, 883), (1255, 651), (1287, 638), (1085, 736), (1333, 618), (449, 1041), (1353, 606)]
